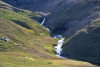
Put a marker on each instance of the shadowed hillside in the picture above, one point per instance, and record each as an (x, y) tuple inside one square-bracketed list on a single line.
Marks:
[(84, 45), (72, 16), (34, 5), (26, 43)]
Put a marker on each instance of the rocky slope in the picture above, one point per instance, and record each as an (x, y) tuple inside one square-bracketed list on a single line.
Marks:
[(70, 15), (85, 44)]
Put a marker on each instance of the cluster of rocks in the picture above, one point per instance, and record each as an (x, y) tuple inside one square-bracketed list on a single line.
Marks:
[(16, 44), (5, 39)]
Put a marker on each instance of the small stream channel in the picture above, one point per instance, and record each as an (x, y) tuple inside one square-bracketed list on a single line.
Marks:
[(58, 47)]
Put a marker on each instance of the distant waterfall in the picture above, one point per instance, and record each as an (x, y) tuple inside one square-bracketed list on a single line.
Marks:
[(43, 21)]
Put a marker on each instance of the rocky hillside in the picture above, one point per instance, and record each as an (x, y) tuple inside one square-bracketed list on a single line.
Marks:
[(70, 15), (85, 44)]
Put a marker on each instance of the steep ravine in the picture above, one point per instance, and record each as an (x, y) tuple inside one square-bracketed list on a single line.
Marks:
[(58, 47), (83, 45), (84, 33), (66, 18)]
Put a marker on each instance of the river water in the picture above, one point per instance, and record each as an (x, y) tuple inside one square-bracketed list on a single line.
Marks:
[(58, 47)]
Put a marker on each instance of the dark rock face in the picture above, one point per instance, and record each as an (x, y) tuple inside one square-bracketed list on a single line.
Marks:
[(73, 16), (85, 45)]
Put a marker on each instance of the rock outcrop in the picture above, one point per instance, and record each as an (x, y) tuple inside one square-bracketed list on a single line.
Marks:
[(85, 44)]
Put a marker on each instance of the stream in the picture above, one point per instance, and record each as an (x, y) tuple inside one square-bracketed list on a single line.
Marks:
[(58, 47)]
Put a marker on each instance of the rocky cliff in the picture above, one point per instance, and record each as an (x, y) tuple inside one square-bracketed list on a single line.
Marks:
[(85, 44)]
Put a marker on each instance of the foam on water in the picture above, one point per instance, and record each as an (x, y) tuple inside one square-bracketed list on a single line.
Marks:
[(58, 36), (58, 48)]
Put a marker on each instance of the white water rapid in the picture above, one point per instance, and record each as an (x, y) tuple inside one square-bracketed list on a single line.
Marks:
[(43, 21), (58, 36), (58, 48)]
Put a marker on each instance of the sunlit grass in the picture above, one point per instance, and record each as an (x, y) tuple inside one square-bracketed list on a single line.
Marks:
[(14, 59)]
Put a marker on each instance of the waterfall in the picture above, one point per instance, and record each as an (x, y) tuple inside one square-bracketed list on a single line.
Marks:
[(43, 21), (58, 48)]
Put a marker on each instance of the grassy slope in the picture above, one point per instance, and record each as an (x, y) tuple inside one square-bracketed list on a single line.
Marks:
[(19, 32), (35, 47), (8, 60)]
